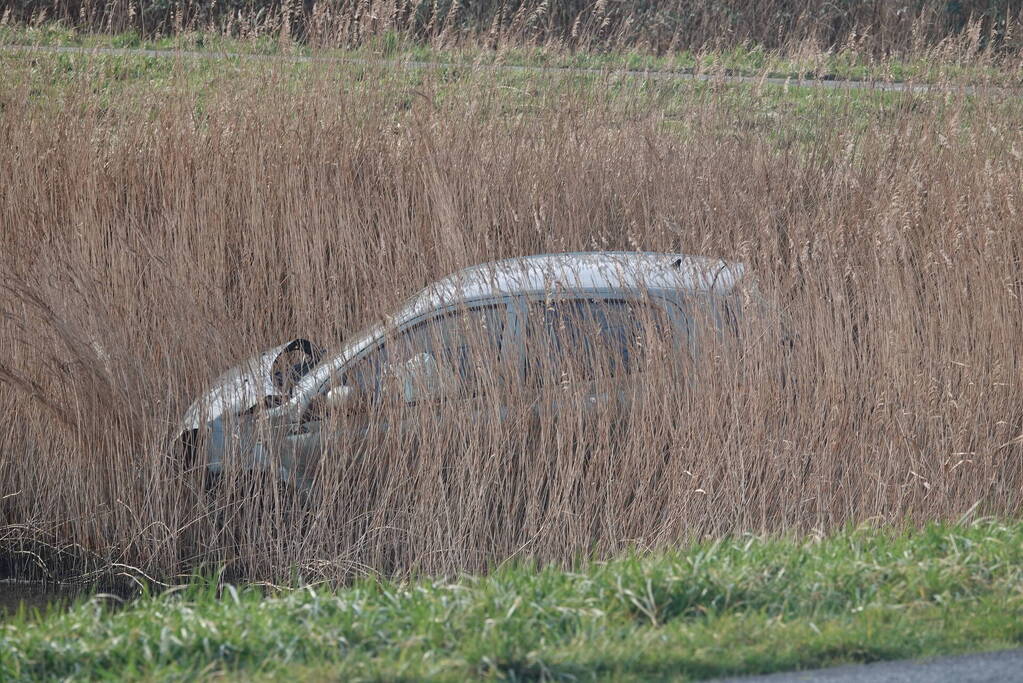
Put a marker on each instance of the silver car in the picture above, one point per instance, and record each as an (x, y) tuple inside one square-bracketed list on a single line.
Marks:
[(469, 334)]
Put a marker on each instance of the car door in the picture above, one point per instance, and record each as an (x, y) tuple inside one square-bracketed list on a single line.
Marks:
[(450, 355)]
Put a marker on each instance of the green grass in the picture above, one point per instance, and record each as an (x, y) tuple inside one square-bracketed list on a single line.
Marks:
[(846, 64), (737, 606)]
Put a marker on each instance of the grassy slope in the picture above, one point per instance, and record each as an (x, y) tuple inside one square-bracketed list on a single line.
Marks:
[(744, 605), (787, 116), (931, 67), (784, 115)]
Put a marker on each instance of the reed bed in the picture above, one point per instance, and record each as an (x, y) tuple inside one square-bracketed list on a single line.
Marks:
[(155, 236)]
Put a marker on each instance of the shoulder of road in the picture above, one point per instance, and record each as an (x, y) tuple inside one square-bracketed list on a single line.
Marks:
[(1005, 666)]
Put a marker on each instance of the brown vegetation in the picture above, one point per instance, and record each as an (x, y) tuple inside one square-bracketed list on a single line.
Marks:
[(153, 239)]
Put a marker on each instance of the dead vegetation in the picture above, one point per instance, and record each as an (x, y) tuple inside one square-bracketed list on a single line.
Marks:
[(152, 240)]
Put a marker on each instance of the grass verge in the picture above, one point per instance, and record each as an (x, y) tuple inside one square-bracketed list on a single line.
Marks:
[(935, 66), (739, 606), (786, 116)]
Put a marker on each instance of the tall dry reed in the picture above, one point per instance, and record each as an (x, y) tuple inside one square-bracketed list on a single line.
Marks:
[(153, 238)]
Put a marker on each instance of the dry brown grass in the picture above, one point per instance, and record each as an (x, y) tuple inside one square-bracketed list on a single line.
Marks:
[(152, 239)]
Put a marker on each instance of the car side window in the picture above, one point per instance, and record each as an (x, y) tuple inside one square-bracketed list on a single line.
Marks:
[(586, 338), (452, 355), (462, 350)]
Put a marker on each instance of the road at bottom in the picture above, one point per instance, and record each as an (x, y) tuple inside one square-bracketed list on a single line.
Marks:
[(1005, 666)]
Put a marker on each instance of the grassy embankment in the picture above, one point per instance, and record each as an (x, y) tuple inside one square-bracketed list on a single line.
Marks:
[(738, 606)]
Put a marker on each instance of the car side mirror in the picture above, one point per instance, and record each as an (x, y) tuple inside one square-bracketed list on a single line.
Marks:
[(339, 400)]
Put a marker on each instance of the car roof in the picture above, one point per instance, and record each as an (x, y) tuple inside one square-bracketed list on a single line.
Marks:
[(577, 272)]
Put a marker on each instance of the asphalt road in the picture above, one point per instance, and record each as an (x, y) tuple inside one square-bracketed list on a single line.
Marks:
[(1005, 666), (827, 83)]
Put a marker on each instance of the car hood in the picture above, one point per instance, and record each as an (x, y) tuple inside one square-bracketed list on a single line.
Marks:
[(243, 387)]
